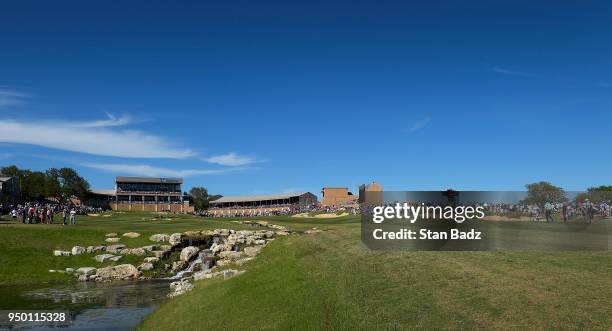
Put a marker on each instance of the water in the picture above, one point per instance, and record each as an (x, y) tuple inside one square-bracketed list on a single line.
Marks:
[(94, 306)]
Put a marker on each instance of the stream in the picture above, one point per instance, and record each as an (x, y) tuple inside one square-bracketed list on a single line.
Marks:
[(119, 305)]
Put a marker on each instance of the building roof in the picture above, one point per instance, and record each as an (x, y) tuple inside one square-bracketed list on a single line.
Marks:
[(154, 180), (103, 191), (249, 198)]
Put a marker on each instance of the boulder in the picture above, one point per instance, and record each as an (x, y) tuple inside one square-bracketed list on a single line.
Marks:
[(159, 254), (189, 253), (133, 251), (151, 259), (180, 287), (103, 257), (145, 266), (227, 274), (175, 239), (313, 231), (282, 233), (149, 248), (115, 249), (178, 266), (160, 237), (61, 253), (243, 261), (69, 270), (112, 240), (260, 242), (252, 251), (82, 278), (192, 233), (269, 234), (122, 271), (230, 255), (111, 235), (86, 271), (115, 258), (131, 234), (77, 250)]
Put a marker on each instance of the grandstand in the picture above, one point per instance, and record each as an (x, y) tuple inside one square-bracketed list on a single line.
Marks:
[(261, 203), (149, 194)]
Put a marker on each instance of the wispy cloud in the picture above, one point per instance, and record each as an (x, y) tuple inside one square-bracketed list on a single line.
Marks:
[(12, 98), (508, 72), (100, 137), (418, 124), (231, 159), (112, 120), (152, 171)]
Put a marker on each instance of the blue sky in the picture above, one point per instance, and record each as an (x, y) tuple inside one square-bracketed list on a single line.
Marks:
[(266, 97)]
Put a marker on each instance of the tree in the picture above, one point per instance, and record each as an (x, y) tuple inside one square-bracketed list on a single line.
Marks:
[(598, 194), (542, 192), (65, 183), (201, 198)]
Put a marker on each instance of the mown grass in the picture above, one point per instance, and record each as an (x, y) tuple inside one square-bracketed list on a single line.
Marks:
[(331, 281), (26, 250)]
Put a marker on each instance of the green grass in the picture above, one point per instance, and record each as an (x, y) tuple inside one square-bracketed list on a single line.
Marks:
[(330, 280)]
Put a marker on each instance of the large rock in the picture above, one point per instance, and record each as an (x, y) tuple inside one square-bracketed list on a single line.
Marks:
[(131, 234), (180, 287), (86, 271), (61, 253), (111, 235), (133, 251), (77, 250), (175, 239), (252, 251), (160, 237), (189, 253), (122, 271), (103, 257), (115, 249), (145, 266), (116, 258), (151, 259), (160, 254), (112, 240), (178, 266), (149, 248), (230, 255)]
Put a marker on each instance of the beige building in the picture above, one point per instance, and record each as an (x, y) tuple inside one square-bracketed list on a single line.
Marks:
[(336, 196), (371, 193)]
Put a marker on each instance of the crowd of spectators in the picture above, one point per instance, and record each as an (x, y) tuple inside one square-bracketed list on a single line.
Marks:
[(45, 213)]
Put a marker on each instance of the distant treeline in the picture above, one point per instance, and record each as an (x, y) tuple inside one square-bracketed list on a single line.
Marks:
[(59, 184)]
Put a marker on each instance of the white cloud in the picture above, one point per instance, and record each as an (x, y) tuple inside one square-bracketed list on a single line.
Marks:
[(231, 159), (419, 124), (512, 72), (152, 171), (91, 138), (112, 120), (12, 98)]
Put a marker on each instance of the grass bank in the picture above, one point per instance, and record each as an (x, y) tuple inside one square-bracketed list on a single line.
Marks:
[(330, 281)]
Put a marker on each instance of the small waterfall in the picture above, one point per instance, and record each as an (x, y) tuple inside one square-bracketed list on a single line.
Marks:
[(189, 269)]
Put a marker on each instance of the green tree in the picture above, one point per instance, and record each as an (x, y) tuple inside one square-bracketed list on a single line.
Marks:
[(597, 194), (200, 197), (542, 192), (65, 183)]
